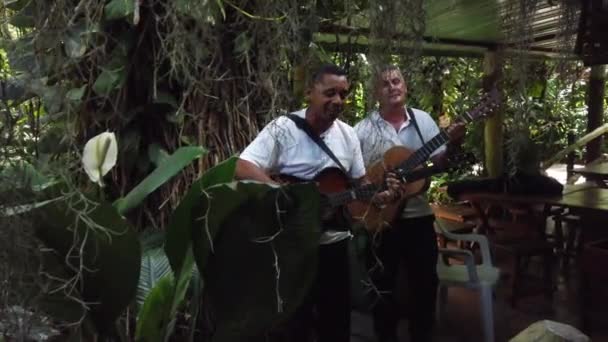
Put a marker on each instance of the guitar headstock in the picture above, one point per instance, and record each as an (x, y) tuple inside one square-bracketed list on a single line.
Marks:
[(485, 107)]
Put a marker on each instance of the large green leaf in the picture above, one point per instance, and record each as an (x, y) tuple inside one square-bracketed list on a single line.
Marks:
[(16, 5), (51, 95), (106, 244), (182, 281), (217, 204), (158, 301), (76, 94), (171, 166), (179, 234), (264, 259), (196, 284), (22, 58), (158, 312), (151, 321), (117, 9), (109, 79), (157, 316), (77, 39), (114, 72), (24, 18), (74, 46), (21, 174), (13, 90)]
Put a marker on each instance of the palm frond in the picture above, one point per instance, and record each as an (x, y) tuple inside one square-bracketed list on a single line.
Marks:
[(154, 266)]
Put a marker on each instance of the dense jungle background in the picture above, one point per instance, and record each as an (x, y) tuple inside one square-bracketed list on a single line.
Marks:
[(141, 250)]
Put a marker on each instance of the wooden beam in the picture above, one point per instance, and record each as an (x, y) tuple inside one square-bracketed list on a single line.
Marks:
[(360, 44), (458, 45), (426, 51)]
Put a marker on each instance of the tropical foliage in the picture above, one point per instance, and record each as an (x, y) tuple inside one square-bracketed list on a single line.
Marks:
[(120, 121)]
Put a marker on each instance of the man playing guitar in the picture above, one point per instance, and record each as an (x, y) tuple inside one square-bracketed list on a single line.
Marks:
[(282, 147), (411, 238)]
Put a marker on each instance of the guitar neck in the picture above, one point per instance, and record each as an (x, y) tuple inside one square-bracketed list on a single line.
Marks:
[(423, 153), (367, 191), (360, 193)]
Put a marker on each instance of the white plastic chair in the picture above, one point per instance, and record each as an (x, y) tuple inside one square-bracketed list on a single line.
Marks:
[(470, 275)]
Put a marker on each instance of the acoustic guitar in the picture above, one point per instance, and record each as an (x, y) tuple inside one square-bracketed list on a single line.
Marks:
[(402, 160), (336, 190)]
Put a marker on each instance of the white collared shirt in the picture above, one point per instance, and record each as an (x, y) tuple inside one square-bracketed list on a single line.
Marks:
[(283, 148), (377, 136)]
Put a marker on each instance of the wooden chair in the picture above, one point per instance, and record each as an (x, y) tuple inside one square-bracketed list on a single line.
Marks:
[(567, 236)]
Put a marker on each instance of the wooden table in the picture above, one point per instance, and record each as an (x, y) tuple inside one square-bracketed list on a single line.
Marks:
[(584, 200), (588, 202), (580, 196), (595, 171)]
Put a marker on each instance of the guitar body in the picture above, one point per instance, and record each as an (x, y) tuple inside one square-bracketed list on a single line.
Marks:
[(332, 180), (341, 201), (329, 181), (374, 218)]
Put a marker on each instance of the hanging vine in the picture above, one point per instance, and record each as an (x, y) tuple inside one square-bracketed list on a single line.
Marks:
[(526, 77)]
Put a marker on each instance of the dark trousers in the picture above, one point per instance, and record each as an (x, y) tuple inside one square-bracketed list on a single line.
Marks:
[(411, 245), (326, 310)]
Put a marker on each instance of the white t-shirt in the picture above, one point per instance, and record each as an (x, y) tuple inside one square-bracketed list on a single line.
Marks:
[(283, 148), (377, 136)]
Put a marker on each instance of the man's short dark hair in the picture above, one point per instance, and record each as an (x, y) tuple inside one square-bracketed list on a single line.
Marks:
[(325, 69)]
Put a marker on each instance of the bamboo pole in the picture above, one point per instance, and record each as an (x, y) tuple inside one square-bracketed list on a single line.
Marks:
[(493, 129)]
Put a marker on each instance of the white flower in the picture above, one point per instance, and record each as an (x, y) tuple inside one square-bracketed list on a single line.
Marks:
[(99, 156)]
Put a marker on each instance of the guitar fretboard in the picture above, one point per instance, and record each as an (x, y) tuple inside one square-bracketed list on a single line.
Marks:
[(362, 193), (367, 191)]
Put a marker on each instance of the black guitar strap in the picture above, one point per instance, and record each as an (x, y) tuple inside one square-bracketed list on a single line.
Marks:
[(413, 118), (305, 126), (410, 112)]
